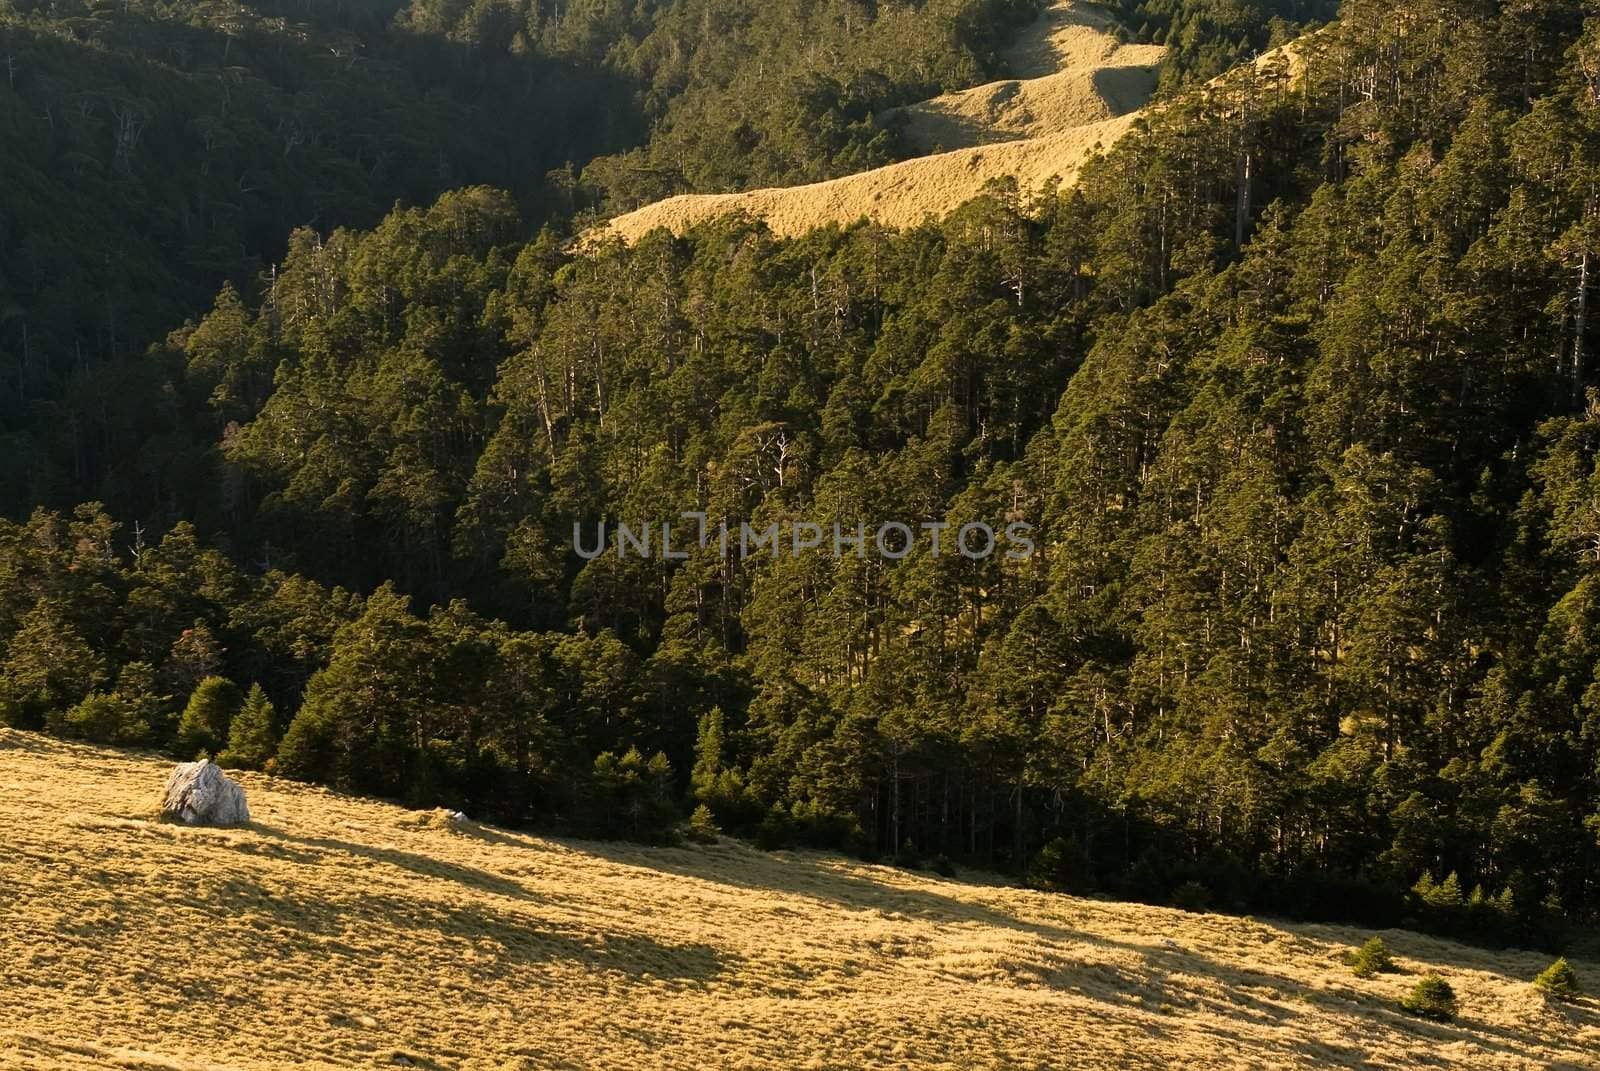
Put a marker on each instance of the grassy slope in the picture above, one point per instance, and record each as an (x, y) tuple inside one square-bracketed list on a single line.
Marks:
[(899, 195), (1079, 91), (337, 932), (1069, 71)]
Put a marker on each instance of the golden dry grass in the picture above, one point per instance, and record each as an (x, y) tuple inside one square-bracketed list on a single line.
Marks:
[(900, 195), (1070, 72), (339, 933), (1078, 90)]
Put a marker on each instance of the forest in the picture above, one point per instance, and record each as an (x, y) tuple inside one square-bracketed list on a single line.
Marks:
[(1294, 387)]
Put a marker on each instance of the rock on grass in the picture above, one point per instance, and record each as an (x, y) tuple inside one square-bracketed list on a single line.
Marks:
[(200, 794)]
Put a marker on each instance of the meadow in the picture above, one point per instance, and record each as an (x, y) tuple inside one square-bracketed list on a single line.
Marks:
[(336, 932)]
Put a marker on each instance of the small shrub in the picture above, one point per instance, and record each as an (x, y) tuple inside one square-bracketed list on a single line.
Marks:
[(1559, 981), (942, 866), (1047, 864), (1431, 998), (1372, 958), (1191, 896), (909, 855), (702, 827)]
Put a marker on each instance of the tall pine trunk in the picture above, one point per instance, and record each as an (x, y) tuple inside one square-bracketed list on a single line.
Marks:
[(1581, 329)]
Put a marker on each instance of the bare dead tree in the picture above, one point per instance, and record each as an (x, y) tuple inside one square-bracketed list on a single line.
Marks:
[(130, 125)]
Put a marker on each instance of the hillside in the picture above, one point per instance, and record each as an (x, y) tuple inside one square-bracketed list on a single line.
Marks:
[(1069, 71), (1076, 91), (900, 195), (336, 932)]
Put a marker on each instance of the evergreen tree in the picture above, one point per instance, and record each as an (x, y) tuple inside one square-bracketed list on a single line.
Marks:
[(132, 713), (252, 735), (1559, 981), (48, 666), (204, 725), (1431, 998)]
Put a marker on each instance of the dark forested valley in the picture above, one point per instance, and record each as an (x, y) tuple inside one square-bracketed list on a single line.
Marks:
[(307, 372)]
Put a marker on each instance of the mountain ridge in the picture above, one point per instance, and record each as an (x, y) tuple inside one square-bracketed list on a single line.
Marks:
[(1077, 90)]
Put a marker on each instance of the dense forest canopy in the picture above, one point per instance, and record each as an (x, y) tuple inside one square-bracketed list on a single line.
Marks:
[(152, 149), (157, 147), (1295, 387)]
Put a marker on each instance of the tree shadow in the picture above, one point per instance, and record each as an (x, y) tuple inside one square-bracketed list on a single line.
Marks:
[(1380, 1016), (816, 876), (32, 742), (1035, 53), (324, 926), (313, 848), (1380, 1012), (1125, 89), (1246, 991)]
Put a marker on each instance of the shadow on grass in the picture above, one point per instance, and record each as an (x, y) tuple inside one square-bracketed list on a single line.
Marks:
[(821, 878), (351, 925), (1257, 997), (427, 866), (1125, 88), (324, 924), (1516, 1041)]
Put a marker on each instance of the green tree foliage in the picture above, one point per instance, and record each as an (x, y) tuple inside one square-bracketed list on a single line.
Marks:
[(1431, 998), (204, 725), (369, 718), (252, 735), (156, 148), (736, 100), (48, 666), (1372, 958), (714, 783), (1559, 981), (1204, 38), (153, 148), (132, 713), (632, 796), (703, 825)]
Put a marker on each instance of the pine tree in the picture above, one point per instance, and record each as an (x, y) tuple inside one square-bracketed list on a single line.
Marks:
[(368, 717), (1431, 998), (1559, 981), (203, 727), (133, 713), (48, 667), (252, 736), (1372, 958)]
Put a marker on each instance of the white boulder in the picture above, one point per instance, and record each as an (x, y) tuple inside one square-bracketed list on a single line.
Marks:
[(200, 794)]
